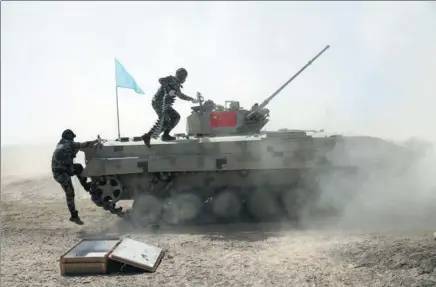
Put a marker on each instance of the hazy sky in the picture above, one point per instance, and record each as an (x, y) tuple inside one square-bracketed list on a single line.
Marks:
[(57, 64)]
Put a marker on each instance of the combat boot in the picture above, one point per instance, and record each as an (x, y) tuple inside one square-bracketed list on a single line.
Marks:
[(75, 218), (146, 138), (166, 137), (87, 186)]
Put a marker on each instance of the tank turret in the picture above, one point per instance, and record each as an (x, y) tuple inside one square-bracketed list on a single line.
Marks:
[(210, 119)]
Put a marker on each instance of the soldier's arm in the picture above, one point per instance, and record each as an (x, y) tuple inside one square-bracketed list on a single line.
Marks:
[(83, 145), (183, 96), (179, 94)]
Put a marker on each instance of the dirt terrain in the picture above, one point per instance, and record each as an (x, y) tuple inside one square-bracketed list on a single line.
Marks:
[(35, 231)]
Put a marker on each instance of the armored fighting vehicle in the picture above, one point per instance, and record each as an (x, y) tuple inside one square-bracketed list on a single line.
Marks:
[(224, 168)]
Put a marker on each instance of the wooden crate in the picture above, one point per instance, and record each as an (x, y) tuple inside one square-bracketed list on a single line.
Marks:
[(89, 256)]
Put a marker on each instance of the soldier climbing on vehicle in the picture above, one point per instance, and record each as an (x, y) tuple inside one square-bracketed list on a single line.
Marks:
[(63, 168), (162, 102)]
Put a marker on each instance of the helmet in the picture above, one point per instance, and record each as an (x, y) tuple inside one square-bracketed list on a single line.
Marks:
[(181, 75), (68, 134)]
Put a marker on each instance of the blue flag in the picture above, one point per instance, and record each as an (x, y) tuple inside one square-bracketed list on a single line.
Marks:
[(125, 80)]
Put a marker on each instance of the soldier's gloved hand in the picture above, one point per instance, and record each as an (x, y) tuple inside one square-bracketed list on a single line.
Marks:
[(100, 140), (93, 143), (99, 144)]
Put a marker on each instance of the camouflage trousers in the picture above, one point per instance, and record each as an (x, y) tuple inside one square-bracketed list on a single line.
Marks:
[(168, 118), (64, 179)]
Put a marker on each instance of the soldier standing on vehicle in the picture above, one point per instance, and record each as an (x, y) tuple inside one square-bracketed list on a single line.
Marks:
[(162, 102)]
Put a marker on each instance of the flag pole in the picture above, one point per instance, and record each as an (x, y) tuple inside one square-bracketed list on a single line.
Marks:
[(123, 80), (116, 96), (118, 113)]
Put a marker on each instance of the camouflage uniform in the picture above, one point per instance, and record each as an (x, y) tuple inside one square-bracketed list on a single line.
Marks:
[(162, 103), (63, 168)]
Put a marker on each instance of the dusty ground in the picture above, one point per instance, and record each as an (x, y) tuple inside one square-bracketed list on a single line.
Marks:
[(35, 234)]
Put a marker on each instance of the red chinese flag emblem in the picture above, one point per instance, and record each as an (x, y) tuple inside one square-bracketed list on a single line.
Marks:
[(223, 119)]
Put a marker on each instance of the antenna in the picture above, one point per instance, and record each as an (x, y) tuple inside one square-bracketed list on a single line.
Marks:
[(266, 102)]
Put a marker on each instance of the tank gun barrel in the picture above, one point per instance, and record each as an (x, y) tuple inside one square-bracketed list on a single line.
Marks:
[(266, 102)]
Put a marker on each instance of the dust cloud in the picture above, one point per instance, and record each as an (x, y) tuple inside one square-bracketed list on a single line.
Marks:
[(402, 194), (393, 187)]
